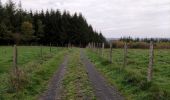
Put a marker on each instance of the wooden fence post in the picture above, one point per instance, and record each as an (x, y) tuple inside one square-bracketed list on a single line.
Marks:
[(91, 45), (125, 55), (50, 47), (15, 68), (102, 49), (41, 51), (15, 56), (111, 52), (150, 67), (5, 51), (98, 48), (94, 46)]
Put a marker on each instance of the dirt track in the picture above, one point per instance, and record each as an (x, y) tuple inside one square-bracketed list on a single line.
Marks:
[(54, 87), (102, 89)]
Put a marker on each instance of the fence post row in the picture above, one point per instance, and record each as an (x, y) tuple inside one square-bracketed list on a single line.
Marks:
[(150, 67), (101, 46)]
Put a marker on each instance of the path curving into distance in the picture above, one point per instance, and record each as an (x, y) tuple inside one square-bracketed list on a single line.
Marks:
[(54, 87), (103, 91)]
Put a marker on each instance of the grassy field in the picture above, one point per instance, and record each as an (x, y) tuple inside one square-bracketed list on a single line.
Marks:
[(36, 70), (131, 81), (25, 55)]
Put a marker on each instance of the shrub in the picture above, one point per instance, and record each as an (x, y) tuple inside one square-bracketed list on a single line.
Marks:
[(17, 80), (141, 45)]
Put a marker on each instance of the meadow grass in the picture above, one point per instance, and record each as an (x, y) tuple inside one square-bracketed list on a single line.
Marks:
[(25, 55), (36, 71), (131, 81)]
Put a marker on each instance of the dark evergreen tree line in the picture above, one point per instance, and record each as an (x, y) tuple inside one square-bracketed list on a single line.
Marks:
[(44, 27)]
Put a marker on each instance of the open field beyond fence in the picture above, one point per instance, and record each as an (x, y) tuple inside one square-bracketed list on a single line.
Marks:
[(132, 80)]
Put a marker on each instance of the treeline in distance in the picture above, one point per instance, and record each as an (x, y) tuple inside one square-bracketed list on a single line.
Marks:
[(44, 27)]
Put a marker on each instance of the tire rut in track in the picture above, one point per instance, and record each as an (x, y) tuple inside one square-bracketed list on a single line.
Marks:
[(55, 84), (102, 90)]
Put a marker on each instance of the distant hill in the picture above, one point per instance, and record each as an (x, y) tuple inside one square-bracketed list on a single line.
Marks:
[(157, 39)]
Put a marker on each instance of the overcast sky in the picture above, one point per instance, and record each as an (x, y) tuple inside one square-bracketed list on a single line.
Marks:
[(116, 18)]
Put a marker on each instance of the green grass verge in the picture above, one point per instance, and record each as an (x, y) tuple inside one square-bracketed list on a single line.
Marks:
[(36, 71), (76, 85), (131, 81)]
